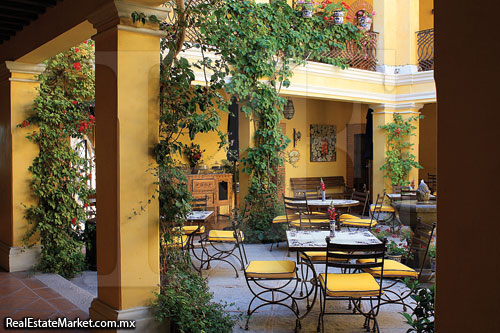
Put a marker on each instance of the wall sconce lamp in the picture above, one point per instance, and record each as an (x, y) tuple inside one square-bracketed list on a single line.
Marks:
[(296, 136)]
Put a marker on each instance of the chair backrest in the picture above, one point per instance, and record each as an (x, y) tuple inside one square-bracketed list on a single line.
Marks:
[(408, 194), (420, 241), (239, 224), (362, 197), (346, 256), (294, 207), (199, 203), (432, 182), (377, 208)]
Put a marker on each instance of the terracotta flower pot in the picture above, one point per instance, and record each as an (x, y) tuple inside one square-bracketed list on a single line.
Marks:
[(395, 257)]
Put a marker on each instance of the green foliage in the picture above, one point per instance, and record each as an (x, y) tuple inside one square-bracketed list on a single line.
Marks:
[(397, 249), (379, 233), (262, 43), (432, 251), (399, 159), (422, 318), (185, 300), (60, 176)]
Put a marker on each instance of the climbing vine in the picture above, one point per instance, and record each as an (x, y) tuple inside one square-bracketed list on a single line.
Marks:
[(399, 159), (59, 174), (262, 43)]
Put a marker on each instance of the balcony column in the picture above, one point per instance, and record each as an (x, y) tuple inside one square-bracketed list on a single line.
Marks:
[(18, 85), (383, 114), (397, 22), (127, 111)]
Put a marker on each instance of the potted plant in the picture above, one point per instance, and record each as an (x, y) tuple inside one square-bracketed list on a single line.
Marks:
[(307, 8), (334, 11), (396, 251), (432, 256), (379, 233), (364, 19), (193, 153)]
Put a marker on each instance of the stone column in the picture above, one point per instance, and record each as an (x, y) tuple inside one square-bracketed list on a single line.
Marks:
[(383, 114), (127, 115), (397, 22), (18, 85)]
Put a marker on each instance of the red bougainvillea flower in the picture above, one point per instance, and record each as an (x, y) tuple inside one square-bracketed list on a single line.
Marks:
[(77, 66), (77, 49), (64, 111), (325, 18), (398, 131), (89, 176), (25, 123), (377, 230), (74, 102), (73, 221), (91, 117), (85, 205), (85, 42)]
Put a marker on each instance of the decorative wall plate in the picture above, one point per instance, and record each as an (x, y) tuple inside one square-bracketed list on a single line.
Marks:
[(294, 156)]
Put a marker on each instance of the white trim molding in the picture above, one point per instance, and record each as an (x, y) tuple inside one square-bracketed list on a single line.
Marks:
[(18, 258)]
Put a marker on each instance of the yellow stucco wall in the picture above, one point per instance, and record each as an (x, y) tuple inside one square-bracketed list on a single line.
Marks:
[(428, 141), (426, 16), (314, 111)]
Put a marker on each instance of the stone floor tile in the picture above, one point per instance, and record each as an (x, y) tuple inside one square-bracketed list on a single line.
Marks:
[(15, 303), (34, 283), (47, 293), (62, 304)]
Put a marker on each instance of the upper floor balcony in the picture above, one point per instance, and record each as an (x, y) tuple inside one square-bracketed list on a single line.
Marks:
[(425, 51)]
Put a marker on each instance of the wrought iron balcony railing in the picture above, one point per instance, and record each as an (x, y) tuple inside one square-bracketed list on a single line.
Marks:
[(425, 51), (362, 56)]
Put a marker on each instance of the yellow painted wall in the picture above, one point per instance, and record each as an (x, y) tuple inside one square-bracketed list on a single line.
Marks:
[(426, 16), (428, 141), (314, 111)]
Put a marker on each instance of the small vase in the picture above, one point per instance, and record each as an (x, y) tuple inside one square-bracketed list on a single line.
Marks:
[(306, 13), (194, 170), (338, 17), (365, 23), (332, 228), (323, 196)]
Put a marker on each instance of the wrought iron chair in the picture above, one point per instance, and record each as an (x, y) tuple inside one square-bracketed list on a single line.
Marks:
[(197, 204), (352, 221), (378, 210), (363, 198), (217, 239), (261, 277), (397, 272), (356, 286)]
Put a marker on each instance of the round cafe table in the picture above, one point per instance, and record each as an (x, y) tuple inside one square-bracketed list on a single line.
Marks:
[(337, 203)]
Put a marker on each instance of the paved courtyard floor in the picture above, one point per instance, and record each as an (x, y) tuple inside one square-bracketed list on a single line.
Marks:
[(50, 296)]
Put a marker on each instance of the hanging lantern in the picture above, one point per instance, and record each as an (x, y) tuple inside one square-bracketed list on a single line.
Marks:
[(289, 110)]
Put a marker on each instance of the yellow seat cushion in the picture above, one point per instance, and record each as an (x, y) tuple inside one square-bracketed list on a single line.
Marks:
[(359, 223), (348, 216), (305, 223), (384, 208), (318, 256), (284, 269), (353, 285), (223, 236), (283, 219), (392, 269), (189, 229)]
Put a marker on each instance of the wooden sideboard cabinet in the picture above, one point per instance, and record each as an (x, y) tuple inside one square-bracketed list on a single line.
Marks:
[(218, 187)]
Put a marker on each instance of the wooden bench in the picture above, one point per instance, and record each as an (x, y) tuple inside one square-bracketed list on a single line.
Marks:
[(335, 186)]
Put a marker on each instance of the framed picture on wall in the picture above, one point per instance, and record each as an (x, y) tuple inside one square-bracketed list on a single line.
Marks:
[(323, 143)]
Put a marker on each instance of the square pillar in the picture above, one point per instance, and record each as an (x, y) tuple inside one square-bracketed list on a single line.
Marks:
[(127, 119), (18, 84), (397, 22), (382, 115)]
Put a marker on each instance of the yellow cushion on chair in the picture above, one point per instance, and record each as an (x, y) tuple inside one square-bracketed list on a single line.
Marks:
[(189, 229), (392, 269), (353, 285), (283, 219), (348, 217), (359, 223), (306, 224), (223, 236), (274, 269), (319, 256), (384, 208)]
